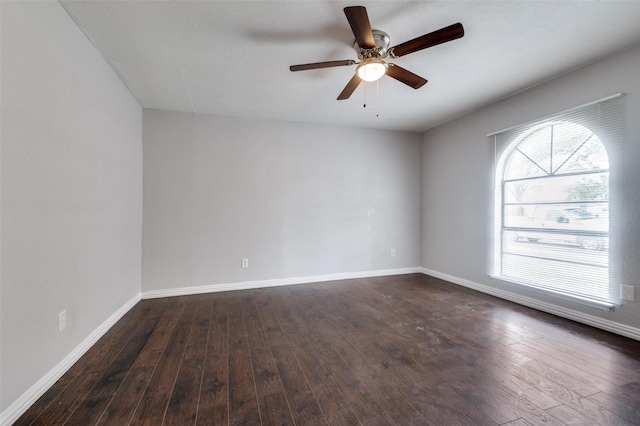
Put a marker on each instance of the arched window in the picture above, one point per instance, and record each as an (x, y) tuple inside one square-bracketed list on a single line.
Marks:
[(552, 210)]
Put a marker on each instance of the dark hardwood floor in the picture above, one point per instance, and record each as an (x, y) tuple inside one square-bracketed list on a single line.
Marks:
[(382, 351)]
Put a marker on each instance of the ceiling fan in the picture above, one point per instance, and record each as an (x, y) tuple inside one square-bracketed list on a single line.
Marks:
[(372, 47)]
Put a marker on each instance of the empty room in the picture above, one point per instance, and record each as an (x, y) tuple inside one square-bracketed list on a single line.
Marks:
[(320, 212)]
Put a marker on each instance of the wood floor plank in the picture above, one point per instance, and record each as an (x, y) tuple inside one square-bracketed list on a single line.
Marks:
[(628, 410), (328, 395), (570, 417), (408, 349), (126, 400), (152, 406), (563, 388), (68, 400), (243, 398), (213, 405), (393, 403), (599, 355), (517, 422), (44, 402), (302, 402), (183, 403), (312, 366), (360, 398), (515, 378), (484, 357), (437, 400), (335, 409), (496, 400), (306, 357), (274, 406), (590, 380), (102, 392), (100, 355), (84, 374), (630, 391), (361, 401), (555, 375)]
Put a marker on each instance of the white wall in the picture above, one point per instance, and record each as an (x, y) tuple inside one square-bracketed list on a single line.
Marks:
[(297, 200), (457, 185), (71, 192)]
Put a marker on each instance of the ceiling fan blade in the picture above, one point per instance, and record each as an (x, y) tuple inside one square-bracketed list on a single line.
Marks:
[(359, 21), (349, 88), (442, 35), (316, 65), (405, 76)]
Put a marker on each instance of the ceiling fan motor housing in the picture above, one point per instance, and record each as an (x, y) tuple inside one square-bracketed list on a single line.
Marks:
[(382, 42)]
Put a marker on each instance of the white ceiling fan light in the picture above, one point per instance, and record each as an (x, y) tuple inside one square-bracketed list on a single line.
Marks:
[(371, 69)]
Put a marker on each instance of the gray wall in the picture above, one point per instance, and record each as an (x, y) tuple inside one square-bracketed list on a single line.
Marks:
[(457, 185), (297, 200), (71, 192)]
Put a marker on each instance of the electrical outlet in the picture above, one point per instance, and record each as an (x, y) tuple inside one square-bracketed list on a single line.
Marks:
[(628, 292), (393, 252), (62, 320), (245, 263)]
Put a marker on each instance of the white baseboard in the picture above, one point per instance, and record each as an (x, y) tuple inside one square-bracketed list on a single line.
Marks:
[(15, 410), (594, 321), (248, 285)]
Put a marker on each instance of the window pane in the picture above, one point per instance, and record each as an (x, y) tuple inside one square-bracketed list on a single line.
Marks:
[(590, 156), (560, 188), (534, 155), (520, 166)]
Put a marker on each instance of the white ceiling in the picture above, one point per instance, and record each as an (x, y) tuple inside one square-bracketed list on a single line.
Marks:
[(232, 57)]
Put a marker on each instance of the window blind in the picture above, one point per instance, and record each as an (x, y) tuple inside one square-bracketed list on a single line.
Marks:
[(555, 202)]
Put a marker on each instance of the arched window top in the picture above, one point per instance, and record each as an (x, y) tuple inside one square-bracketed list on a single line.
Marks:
[(555, 148)]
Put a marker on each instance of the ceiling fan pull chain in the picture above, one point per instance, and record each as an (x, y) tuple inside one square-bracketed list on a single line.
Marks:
[(364, 95), (377, 98)]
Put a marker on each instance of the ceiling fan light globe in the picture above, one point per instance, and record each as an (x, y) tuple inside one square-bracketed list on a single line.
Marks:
[(371, 70)]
